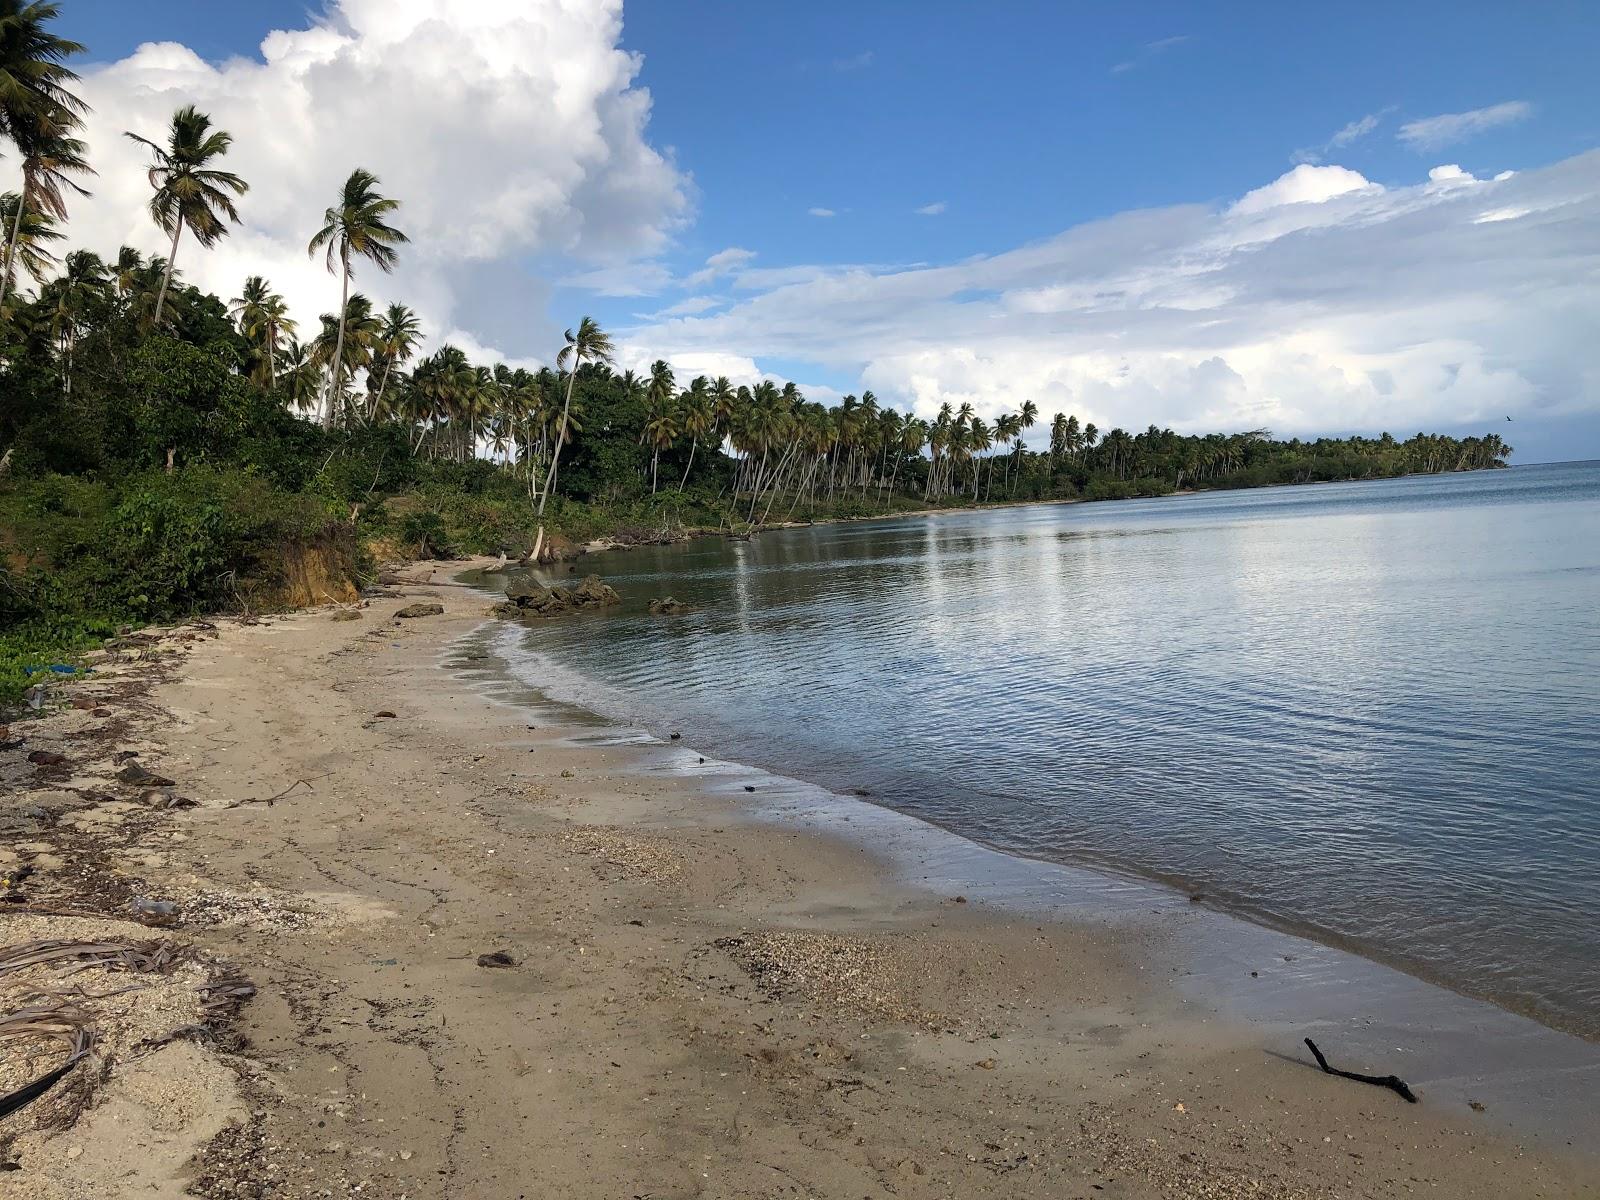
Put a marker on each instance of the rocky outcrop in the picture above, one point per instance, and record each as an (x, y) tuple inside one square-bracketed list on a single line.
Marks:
[(420, 610), (667, 606), (535, 600)]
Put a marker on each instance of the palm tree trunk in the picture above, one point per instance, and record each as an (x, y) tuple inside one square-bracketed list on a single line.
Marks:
[(166, 276), (693, 444), (11, 242), (272, 366), (338, 344)]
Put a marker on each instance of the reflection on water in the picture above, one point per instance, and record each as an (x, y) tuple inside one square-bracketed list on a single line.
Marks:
[(1364, 710)]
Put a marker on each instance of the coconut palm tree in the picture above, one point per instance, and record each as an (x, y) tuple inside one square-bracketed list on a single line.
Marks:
[(356, 226), (396, 343), (68, 300), (50, 157), (188, 190), (660, 431), (592, 344), (346, 342), (699, 418), (302, 379), (263, 317), (33, 74), (34, 231)]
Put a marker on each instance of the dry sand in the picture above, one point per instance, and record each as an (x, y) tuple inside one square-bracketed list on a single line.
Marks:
[(697, 1006)]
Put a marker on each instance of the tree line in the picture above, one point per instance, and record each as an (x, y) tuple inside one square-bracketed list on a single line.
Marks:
[(763, 449)]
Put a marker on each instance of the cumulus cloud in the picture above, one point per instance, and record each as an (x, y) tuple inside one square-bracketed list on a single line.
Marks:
[(1325, 303), (1433, 133), (506, 128), (1306, 184)]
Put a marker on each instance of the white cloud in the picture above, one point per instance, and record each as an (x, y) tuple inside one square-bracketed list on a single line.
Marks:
[(723, 262), (1432, 133), (821, 212), (856, 62), (1327, 304), (932, 210), (506, 128), (692, 306), (1306, 184)]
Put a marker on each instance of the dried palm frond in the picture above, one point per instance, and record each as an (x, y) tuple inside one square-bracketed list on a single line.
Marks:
[(136, 957), (48, 1020)]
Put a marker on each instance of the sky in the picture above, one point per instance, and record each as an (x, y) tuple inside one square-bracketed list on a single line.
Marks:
[(1310, 219)]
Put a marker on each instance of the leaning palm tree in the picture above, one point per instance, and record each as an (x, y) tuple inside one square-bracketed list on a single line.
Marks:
[(188, 190), (591, 343), (357, 225), (50, 157)]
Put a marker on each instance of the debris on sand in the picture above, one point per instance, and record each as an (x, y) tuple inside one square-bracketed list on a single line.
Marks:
[(635, 857), (851, 975)]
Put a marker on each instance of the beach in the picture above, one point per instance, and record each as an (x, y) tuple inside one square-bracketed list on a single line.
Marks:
[(688, 1002)]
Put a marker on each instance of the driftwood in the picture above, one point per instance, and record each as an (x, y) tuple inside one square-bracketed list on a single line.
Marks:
[(1393, 1082)]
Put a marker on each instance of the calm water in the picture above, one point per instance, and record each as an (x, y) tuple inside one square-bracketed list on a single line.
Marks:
[(1367, 711)]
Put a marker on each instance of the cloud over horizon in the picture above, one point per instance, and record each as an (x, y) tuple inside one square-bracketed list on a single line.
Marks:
[(1321, 301)]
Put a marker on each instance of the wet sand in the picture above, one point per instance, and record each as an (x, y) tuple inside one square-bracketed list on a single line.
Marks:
[(699, 1004)]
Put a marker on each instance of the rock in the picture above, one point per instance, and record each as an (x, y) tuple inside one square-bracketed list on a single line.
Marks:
[(667, 606), (83, 702), (593, 592), (137, 775), (347, 614), (47, 758), (420, 610), (383, 712), (534, 599), (498, 958)]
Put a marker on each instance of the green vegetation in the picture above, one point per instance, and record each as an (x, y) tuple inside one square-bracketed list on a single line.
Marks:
[(164, 453)]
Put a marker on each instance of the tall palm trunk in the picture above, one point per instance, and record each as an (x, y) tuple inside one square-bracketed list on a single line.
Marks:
[(693, 444), (338, 343), (11, 242), (166, 276), (555, 458)]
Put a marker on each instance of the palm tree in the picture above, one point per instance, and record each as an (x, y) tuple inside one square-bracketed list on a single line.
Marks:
[(33, 231), (264, 318), (699, 419), (661, 430), (346, 342), (39, 112), (302, 380), (355, 226), (188, 191), (591, 343), (67, 299), (397, 342), (50, 157)]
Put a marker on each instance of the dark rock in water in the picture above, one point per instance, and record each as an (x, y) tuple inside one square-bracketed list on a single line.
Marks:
[(536, 600), (421, 610), (593, 592), (667, 606)]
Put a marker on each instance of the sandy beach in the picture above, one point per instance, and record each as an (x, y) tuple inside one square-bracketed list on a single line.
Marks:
[(690, 1003)]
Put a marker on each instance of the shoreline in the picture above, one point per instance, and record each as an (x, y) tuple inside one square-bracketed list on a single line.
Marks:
[(698, 1005), (1336, 985)]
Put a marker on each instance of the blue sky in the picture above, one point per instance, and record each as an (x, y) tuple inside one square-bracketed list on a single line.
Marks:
[(806, 138)]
